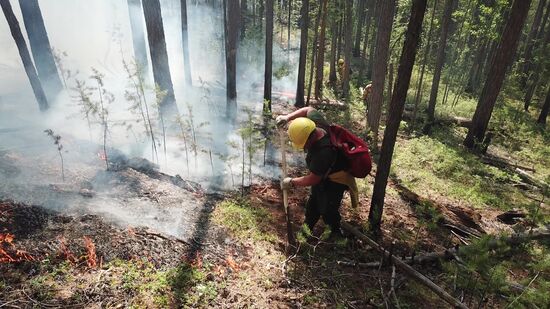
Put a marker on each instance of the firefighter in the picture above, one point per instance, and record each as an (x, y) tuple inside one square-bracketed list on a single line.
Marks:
[(328, 176)]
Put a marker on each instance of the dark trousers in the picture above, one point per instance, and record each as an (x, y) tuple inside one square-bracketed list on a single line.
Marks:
[(325, 200)]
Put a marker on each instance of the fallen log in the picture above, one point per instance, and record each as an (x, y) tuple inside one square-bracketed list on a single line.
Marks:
[(459, 121), (325, 104), (530, 179), (464, 221), (454, 253), (411, 272), (502, 163)]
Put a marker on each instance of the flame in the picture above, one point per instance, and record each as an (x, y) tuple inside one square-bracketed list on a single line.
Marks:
[(91, 257), (5, 257), (232, 264), (65, 252), (101, 155)]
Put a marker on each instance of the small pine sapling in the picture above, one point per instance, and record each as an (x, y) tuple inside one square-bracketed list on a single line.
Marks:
[(83, 98), (136, 95), (160, 95), (105, 99), (57, 142), (58, 58)]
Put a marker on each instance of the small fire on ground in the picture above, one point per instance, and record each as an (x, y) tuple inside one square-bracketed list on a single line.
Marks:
[(9, 253)]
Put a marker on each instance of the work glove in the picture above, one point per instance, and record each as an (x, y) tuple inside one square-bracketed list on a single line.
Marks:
[(286, 184), (281, 121)]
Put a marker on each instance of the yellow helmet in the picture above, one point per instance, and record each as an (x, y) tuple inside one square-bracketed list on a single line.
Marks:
[(299, 131), (340, 61)]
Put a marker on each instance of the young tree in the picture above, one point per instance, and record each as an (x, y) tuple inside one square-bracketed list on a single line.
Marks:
[(348, 48), (374, 111), (231, 57), (427, 48), (502, 59), (359, 29), (303, 54), (406, 63), (138, 34), (314, 50), (244, 17), (376, 14), (25, 55), (545, 108), (440, 60), (320, 59), (159, 57), (268, 52), (40, 48), (333, 46), (185, 44), (530, 43)]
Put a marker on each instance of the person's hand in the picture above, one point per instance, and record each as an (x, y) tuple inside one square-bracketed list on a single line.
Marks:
[(286, 184), (281, 121)]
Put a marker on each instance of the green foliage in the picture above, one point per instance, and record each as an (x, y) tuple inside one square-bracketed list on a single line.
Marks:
[(244, 220)]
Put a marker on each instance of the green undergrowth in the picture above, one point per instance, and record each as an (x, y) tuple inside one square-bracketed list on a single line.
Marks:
[(244, 220), (437, 165), (519, 274)]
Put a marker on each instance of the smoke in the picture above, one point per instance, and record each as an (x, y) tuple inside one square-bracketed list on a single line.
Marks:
[(97, 34)]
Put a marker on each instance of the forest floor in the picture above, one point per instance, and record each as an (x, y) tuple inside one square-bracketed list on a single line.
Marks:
[(439, 196)]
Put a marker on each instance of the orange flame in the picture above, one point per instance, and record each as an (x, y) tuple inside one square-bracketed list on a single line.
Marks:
[(20, 255), (91, 257), (65, 252)]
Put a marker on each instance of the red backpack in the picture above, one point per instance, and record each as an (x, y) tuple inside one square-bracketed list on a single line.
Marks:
[(354, 149)]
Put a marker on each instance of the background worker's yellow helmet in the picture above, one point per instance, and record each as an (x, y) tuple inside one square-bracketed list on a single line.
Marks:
[(340, 61), (299, 131)]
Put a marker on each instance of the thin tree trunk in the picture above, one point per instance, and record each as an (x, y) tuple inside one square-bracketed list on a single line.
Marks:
[(333, 46), (348, 48), (495, 78), (314, 51), (370, 10), (244, 17), (440, 60), (530, 43), (534, 79), (231, 61), (40, 48), (303, 54), (359, 30), (381, 55), (185, 44), (25, 55), (288, 21), (138, 34), (268, 52), (545, 108), (424, 62), (321, 53), (406, 63), (370, 63), (159, 57)]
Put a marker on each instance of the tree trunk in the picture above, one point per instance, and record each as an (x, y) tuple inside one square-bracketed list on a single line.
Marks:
[(406, 63), (476, 68), (360, 20), (374, 111), (530, 43), (231, 58), (424, 62), (40, 48), (138, 34), (268, 52), (545, 108), (303, 54), (368, 22), (25, 55), (333, 46), (370, 63), (288, 21), (314, 50), (440, 60), (321, 53), (185, 45), (244, 16), (348, 48), (159, 57), (497, 70)]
